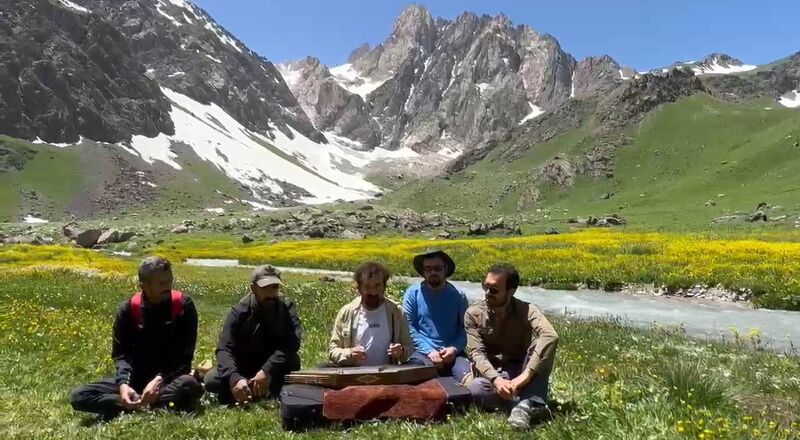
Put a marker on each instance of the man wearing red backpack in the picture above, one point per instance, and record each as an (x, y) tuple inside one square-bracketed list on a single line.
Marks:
[(153, 343)]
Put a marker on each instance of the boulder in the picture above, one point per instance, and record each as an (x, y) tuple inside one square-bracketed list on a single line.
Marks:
[(446, 235), (315, 232), (350, 235), (110, 236), (88, 238), (247, 239), (70, 230), (757, 216), (477, 229), (180, 229)]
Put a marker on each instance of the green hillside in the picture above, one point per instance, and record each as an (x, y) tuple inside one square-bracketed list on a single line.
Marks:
[(681, 156)]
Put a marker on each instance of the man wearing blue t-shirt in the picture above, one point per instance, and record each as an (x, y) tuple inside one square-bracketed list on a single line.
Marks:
[(435, 309)]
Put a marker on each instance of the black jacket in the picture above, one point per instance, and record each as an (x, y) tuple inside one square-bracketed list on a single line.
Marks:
[(257, 337), (162, 346)]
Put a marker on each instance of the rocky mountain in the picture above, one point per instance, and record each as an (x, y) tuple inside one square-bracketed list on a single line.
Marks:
[(779, 80), (438, 84), (713, 64), (594, 76), (330, 106), (147, 98), (162, 82)]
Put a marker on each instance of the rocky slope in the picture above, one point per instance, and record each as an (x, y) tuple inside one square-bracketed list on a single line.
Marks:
[(160, 85)]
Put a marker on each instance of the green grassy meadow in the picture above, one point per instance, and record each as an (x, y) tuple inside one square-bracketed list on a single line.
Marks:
[(610, 381)]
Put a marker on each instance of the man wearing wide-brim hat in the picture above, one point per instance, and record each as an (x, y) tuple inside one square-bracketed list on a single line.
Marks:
[(259, 342), (434, 309)]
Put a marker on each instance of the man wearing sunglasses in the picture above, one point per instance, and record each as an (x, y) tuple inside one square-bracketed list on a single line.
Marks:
[(259, 343), (434, 309), (512, 347)]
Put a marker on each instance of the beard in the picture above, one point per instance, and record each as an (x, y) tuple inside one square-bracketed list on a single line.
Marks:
[(435, 281), (495, 301), (371, 302)]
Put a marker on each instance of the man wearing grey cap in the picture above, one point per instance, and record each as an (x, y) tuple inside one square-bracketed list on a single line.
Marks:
[(259, 343)]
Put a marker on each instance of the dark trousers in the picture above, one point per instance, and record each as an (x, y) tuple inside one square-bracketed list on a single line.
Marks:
[(181, 394), (485, 394), (221, 386), (458, 368)]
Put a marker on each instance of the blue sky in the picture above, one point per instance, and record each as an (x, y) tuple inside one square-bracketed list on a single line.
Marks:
[(640, 33)]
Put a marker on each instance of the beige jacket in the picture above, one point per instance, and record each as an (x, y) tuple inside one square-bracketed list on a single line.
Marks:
[(344, 333)]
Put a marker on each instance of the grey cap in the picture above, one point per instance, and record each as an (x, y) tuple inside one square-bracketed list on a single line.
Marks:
[(264, 276)]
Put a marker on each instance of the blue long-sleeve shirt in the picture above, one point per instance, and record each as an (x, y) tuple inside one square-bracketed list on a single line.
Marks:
[(435, 319)]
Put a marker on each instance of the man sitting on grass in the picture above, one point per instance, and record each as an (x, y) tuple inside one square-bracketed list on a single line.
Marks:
[(435, 309), (259, 343), (370, 330), (512, 347), (153, 343)]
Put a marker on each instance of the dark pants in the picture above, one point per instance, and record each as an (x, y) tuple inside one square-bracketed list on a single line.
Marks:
[(181, 394), (458, 368), (486, 397), (221, 386)]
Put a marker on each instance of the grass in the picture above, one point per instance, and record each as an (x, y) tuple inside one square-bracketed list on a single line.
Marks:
[(680, 157), (767, 265), (54, 173), (610, 381)]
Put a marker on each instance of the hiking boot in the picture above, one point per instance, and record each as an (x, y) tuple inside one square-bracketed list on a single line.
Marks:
[(525, 412)]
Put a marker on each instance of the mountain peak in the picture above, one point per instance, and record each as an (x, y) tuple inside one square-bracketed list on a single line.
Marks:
[(414, 23), (358, 52)]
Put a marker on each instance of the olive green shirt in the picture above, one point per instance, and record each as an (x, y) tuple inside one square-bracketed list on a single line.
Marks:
[(494, 344)]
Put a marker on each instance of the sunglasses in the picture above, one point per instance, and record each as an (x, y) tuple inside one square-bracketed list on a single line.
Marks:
[(433, 269), (490, 289)]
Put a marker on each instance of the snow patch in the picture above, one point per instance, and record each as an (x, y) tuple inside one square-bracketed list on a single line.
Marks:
[(38, 141), (482, 87), (173, 75), (408, 99), (216, 210), (623, 76), (290, 76), (452, 77), (250, 158), (535, 111), (258, 206), (34, 220), (791, 99), (213, 59), (572, 83), (169, 17), (352, 81), (74, 6), (717, 69), (223, 37)]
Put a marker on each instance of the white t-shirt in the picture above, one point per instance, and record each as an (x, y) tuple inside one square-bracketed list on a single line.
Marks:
[(374, 335)]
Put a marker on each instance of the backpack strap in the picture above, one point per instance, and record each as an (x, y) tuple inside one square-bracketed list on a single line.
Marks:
[(136, 309), (176, 307)]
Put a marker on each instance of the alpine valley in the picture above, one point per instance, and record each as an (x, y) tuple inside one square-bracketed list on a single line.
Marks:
[(109, 107)]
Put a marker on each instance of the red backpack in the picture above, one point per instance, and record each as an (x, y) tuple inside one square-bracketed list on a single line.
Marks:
[(136, 307)]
